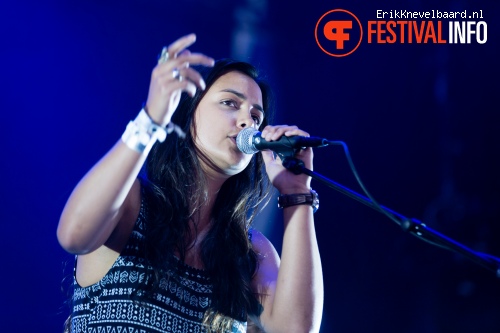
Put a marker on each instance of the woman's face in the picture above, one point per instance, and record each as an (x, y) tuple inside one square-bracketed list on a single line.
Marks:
[(232, 103)]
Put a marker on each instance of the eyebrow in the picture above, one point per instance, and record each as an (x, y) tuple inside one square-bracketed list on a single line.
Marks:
[(242, 96)]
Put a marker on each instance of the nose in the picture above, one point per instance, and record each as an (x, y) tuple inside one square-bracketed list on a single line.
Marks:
[(245, 119)]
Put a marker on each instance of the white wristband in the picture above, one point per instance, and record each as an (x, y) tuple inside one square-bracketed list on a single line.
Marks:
[(143, 132)]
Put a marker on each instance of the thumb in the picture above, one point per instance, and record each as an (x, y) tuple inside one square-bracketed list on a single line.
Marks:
[(268, 156)]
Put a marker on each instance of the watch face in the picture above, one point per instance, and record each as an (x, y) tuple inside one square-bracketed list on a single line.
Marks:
[(315, 204), (315, 200)]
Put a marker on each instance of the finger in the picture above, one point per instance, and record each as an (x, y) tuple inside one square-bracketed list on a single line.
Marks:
[(197, 59), (296, 131), (281, 130), (185, 52), (188, 58), (269, 130), (193, 76), (184, 85), (276, 132), (190, 88), (164, 78), (184, 61), (176, 47)]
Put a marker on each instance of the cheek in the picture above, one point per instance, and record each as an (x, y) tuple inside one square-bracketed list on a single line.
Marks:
[(200, 125), (206, 134)]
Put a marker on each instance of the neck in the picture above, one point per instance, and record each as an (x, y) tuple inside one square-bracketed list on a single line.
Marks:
[(200, 224), (214, 185)]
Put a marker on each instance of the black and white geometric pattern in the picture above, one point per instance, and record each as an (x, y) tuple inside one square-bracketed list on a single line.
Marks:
[(178, 306)]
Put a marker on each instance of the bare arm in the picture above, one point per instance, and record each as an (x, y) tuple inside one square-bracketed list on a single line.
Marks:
[(98, 203), (293, 288)]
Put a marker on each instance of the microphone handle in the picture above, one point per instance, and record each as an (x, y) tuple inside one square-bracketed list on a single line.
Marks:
[(288, 144), (312, 141)]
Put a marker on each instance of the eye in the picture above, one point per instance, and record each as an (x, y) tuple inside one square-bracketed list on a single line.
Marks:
[(256, 120), (230, 103)]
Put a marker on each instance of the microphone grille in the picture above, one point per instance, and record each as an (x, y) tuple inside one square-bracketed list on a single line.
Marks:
[(244, 141)]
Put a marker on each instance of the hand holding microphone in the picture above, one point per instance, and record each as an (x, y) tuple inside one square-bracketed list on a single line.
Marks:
[(249, 141)]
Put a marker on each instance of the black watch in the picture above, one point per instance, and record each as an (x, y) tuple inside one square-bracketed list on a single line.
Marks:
[(311, 198)]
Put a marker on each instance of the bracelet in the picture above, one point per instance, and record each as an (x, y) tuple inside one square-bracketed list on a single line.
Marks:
[(311, 198), (170, 127), (143, 132)]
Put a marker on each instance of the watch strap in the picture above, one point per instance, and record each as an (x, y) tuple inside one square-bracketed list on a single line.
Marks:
[(288, 200)]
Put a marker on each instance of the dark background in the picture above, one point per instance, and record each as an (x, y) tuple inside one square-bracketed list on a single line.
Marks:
[(421, 122)]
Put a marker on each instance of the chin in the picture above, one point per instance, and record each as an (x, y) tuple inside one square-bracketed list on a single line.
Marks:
[(236, 168), (230, 164)]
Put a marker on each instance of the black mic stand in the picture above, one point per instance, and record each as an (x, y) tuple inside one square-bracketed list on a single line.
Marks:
[(413, 226)]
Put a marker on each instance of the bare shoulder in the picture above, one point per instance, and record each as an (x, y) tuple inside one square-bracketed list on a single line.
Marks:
[(263, 247), (264, 279), (268, 262)]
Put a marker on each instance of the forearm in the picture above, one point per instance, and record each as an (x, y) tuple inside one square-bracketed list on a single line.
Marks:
[(298, 301), (94, 207)]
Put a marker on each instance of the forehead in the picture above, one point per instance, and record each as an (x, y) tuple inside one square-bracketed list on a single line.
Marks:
[(239, 82)]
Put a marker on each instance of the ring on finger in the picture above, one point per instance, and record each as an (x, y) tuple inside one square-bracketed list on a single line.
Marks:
[(163, 55), (176, 74)]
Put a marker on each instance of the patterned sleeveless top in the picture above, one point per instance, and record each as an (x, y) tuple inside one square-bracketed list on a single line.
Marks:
[(178, 306)]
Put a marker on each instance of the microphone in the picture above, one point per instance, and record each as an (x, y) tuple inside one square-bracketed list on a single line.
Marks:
[(249, 141)]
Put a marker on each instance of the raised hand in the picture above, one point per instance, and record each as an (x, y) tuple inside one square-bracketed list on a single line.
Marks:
[(172, 76)]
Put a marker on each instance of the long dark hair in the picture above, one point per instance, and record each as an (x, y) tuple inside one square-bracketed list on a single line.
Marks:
[(175, 188)]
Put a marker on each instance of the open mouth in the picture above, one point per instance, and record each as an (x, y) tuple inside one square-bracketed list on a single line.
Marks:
[(233, 139)]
